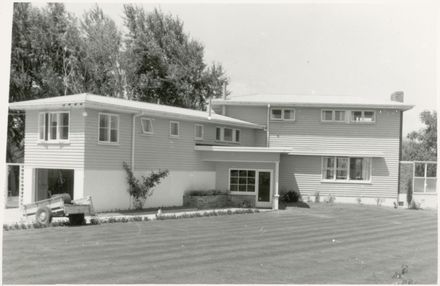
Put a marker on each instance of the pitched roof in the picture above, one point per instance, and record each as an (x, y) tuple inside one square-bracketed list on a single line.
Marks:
[(311, 101), (126, 106)]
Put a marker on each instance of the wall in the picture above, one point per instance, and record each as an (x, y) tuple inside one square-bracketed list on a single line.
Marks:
[(108, 188), (53, 155), (303, 173)]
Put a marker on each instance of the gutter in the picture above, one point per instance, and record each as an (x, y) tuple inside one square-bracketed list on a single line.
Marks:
[(133, 137), (267, 125)]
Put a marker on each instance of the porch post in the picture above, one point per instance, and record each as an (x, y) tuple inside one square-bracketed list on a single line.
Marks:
[(276, 195)]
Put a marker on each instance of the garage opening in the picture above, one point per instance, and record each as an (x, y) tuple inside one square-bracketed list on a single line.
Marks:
[(50, 182)]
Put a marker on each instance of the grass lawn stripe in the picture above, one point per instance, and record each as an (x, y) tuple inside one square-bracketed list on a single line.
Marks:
[(218, 252)]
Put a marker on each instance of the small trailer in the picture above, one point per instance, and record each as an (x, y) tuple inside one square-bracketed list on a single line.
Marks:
[(59, 206)]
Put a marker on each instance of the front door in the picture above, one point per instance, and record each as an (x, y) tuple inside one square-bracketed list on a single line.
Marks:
[(264, 187)]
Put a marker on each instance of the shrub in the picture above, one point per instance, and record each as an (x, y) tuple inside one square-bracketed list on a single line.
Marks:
[(139, 191), (94, 221), (206, 193), (359, 200), (291, 196), (317, 197), (379, 201), (409, 192), (413, 205), (330, 199), (111, 220)]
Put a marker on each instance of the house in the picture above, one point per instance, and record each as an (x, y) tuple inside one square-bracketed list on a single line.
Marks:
[(253, 146)]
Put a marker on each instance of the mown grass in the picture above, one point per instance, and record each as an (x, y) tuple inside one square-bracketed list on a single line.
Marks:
[(324, 244)]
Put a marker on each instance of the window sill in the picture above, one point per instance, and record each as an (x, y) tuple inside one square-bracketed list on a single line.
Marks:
[(147, 134), (282, 120), (243, 193), (347, 182), (108, 143), (53, 142), (360, 122), (333, 122), (227, 142)]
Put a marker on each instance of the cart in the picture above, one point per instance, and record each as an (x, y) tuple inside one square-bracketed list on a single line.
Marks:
[(60, 206)]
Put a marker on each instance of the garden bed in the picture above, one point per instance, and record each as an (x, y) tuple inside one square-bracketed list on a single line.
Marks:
[(217, 199)]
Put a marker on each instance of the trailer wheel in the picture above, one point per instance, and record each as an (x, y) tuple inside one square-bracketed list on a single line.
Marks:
[(43, 215), (76, 219)]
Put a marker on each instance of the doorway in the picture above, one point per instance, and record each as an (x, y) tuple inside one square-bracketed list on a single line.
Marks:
[(264, 189), (49, 182)]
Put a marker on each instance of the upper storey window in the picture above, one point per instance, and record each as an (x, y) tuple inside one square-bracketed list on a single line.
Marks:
[(286, 114), (363, 116), (53, 126), (108, 128), (328, 115), (227, 134), (147, 125)]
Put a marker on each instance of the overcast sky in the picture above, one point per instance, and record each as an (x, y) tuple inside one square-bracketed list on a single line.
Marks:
[(367, 49)]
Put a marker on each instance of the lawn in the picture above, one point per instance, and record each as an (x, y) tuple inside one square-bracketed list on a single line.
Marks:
[(324, 244)]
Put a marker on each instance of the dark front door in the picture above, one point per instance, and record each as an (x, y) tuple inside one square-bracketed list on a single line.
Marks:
[(263, 186)]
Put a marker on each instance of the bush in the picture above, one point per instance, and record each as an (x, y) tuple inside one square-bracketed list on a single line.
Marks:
[(330, 199), (291, 196), (413, 205), (317, 197), (138, 190), (206, 193)]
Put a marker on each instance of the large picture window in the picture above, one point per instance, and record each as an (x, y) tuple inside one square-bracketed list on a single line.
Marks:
[(108, 128), (53, 126), (347, 169), (242, 180)]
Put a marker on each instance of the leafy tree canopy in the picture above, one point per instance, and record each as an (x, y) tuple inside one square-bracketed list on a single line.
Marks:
[(422, 145)]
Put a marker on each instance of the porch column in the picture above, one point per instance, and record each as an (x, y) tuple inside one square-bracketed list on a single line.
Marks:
[(276, 195)]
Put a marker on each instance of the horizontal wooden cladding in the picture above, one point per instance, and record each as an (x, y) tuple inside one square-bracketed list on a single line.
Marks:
[(55, 155), (303, 173), (254, 114), (107, 156), (159, 150)]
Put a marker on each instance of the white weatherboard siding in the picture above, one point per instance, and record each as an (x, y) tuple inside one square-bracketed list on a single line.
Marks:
[(159, 150), (104, 155), (54, 155), (254, 114), (303, 173), (108, 188), (307, 132)]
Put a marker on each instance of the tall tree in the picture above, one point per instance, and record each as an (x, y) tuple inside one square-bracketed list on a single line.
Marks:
[(101, 43), (164, 64), (422, 145)]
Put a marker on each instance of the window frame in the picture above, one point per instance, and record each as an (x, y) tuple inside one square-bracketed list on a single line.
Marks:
[(347, 180), (178, 129), (202, 131), (151, 124), (222, 135), (333, 111), (109, 142), (47, 128), (293, 111), (244, 192), (362, 116)]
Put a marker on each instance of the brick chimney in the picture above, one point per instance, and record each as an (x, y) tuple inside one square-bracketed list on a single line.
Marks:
[(397, 96)]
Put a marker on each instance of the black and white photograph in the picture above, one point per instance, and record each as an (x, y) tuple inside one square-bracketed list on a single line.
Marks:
[(219, 142)]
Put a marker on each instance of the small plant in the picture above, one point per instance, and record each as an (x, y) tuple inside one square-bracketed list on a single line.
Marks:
[(400, 276), (359, 200), (330, 199), (291, 196), (94, 221), (379, 201), (111, 220), (413, 205), (317, 197), (206, 193), (138, 190)]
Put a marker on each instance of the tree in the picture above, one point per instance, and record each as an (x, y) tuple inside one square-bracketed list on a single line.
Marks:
[(422, 145), (164, 64), (101, 42)]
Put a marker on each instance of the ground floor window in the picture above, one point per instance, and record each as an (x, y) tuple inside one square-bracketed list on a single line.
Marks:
[(242, 180), (346, 169)]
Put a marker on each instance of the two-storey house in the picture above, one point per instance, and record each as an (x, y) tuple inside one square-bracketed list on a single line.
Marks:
[(253, 146)]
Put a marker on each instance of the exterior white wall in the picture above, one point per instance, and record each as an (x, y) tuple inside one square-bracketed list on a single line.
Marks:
[(108, 188), (28, 181)]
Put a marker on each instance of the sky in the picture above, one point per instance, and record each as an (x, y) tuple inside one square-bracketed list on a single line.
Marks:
[(355, 48)]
